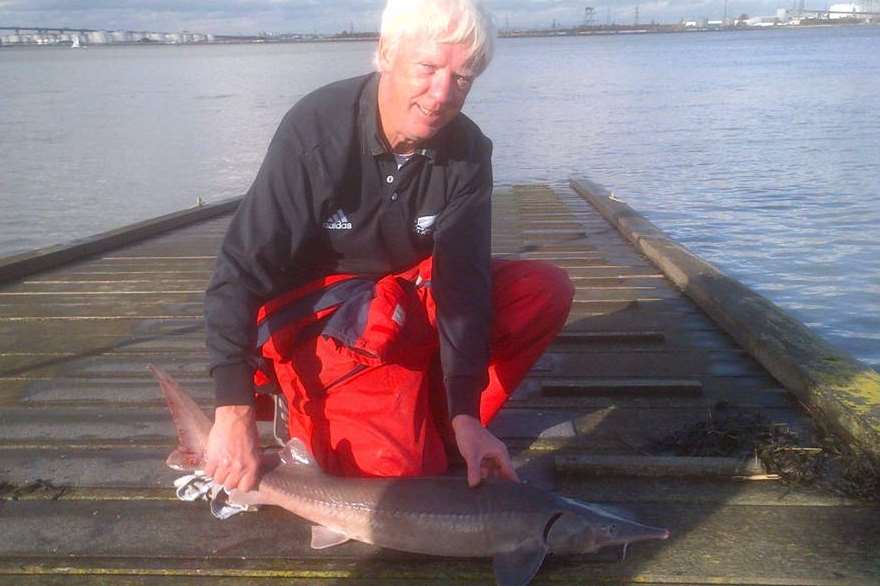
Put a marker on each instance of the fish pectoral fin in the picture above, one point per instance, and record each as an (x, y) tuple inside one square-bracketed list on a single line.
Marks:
[(518, 567), (295, 453), (322, 537)]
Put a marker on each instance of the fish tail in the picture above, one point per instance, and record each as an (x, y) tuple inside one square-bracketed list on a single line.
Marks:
[(192, 425)]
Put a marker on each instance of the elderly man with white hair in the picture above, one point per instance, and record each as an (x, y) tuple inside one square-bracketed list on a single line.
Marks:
[(356, 278)]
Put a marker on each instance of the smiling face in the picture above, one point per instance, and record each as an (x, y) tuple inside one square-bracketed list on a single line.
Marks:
[(423, 86)]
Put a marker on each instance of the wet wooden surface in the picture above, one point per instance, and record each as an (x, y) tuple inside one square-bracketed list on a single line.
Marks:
[(636, 362)]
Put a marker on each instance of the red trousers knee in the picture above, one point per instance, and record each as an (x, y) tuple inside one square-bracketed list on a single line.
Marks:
[(382, 412)]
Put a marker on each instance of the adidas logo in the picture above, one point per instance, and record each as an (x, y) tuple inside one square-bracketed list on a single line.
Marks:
[(337, 221)]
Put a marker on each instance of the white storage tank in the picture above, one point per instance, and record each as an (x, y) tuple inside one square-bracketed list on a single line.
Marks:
[(98, 37), (838, 11)]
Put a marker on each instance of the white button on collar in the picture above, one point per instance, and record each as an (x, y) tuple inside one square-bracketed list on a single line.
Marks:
[(389, 179)]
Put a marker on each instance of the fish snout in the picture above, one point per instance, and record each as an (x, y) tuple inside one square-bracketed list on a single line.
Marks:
[(572, 533), (626, 532)]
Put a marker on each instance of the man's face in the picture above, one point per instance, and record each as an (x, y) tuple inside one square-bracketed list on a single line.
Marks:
[(423, 87)]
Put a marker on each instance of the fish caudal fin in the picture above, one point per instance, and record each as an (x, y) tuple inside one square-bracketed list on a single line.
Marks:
[(193, 426)]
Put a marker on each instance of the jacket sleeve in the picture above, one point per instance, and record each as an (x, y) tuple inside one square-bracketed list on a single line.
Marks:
[(462, 287), (255, 262)]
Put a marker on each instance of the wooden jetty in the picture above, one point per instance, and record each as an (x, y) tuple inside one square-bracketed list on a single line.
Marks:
[(85, 497)]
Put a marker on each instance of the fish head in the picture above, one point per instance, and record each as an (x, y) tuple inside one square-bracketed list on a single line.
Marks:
[(586, 529)]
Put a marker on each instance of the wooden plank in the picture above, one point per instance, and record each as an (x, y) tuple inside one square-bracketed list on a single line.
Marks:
[(755, 394), (151, 426), (71, 287), (145, 309), (635, 281), (591, 338), (623, 387), (116, 390), (658, 466), (139, 473), (627, 427), (589, 293), (627, 316), (577, 269), (13, 302), (79, 342), (111, 336), (130, 467), (649, 364), (113, 366), (86, 278), (673, 341), (86, 271), (168, 266)]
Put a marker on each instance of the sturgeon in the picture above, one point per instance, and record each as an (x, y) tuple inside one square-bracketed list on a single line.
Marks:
[(515, 524)]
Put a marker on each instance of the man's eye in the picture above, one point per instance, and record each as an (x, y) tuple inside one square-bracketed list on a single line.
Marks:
[(463, 82)]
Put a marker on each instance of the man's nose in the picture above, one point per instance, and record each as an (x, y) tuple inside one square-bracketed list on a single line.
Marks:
[(442, 88)]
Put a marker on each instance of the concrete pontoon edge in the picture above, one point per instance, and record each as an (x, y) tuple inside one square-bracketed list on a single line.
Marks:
[(27, 263)]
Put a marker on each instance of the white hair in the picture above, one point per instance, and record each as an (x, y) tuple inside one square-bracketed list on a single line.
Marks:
[(443, 21)]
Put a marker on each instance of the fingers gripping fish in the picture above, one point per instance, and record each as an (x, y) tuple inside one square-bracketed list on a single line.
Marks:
[(516, 525)]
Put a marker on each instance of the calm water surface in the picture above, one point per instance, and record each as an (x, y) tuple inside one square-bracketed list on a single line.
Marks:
[(758, 150)]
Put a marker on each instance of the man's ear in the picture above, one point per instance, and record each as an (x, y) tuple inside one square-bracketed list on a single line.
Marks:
[(386, 56)]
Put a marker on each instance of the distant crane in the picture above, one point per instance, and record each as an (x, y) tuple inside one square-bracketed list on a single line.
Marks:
[(589, 14)]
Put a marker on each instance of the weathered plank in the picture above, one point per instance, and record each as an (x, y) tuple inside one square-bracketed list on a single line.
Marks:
[(139, 473), (141, 424)]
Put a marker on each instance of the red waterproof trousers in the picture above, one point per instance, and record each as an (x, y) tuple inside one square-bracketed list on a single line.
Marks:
[(358, 362)]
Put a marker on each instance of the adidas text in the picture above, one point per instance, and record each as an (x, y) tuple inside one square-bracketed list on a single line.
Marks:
[(337, 221)]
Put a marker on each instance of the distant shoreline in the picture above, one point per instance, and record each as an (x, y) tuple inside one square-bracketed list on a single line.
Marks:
[(604, 30)]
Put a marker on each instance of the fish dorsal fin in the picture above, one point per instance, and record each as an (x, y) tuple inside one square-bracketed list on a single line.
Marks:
[(322, 537), (518, 567), (295, 453)]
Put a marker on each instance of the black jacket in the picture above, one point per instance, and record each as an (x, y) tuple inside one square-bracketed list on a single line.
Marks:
[(329, 198)]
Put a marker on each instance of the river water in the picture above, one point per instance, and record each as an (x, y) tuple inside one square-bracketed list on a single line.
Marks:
[(760, 150)]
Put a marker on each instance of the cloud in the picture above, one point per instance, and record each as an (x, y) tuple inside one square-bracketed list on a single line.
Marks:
[(329, 16), (230, 16)]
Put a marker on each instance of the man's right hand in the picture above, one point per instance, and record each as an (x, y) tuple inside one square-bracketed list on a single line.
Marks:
[(232, 457)]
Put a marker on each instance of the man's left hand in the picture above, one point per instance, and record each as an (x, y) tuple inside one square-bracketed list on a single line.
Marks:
[(484, 454)]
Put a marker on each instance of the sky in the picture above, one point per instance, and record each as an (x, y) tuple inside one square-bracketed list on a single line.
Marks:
[(332, 16)]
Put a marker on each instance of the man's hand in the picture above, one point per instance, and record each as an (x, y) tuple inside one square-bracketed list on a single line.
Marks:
[(484, 454), (232, 457)]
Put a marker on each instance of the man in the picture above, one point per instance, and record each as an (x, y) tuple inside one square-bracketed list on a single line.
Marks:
[(378, 180)]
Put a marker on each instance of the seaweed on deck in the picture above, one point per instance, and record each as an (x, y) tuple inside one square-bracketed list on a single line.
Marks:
[(729, 431), (43, 488)]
